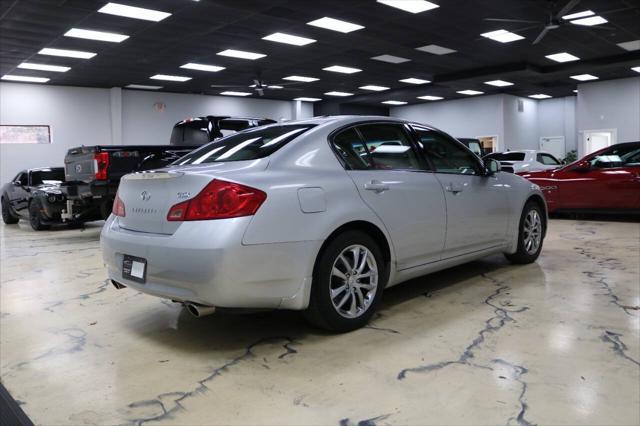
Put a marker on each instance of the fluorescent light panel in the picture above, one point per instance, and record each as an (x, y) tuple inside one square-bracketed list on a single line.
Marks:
[(43, 67), (67, 53), (503, 36), (431, 98), (434, 49), (390, 59), (232, 93), (578, 15), (413, 80), (470, 92), (374, 88), (540, 96), (636, 69), (341, 69), (335, 93), (301, 78), (335, 25), (498, 83), (584, 77), (24, 78), (394, 102), (170, 77), (133, 12), (412, 6), (303, 99), (563, 57), (591, 21), (241, 54), (202, 67), (142, 86), (289, 39), (96, 35), (630, 45)]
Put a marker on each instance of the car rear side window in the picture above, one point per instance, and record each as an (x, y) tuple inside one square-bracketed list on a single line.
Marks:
[(248, 145), (389, 147), (351, 149)]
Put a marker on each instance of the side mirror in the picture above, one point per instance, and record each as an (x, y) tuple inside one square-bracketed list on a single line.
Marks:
[(582, 166), (492, 166)]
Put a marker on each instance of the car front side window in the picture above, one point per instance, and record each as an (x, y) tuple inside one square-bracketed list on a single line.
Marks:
[(446, 155)]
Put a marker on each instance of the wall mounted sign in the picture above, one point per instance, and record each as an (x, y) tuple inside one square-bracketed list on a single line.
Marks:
[(24, 134)]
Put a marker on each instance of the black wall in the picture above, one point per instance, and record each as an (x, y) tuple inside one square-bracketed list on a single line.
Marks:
[(338, 108)]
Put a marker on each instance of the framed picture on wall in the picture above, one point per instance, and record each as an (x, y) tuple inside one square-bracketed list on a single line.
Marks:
[(24, 134)]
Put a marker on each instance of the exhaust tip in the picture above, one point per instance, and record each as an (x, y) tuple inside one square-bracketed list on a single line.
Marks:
[(117, 285), (198, 310)]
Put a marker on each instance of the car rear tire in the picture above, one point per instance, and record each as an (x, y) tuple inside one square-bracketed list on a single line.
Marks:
[(36, 218), (348, 281), (7, 216), (530, 235)]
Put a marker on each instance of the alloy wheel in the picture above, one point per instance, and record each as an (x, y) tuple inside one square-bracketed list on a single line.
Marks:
[(532, 232), (353, 281)]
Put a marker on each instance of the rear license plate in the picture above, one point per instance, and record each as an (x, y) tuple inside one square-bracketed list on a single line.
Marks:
[(134, 268)]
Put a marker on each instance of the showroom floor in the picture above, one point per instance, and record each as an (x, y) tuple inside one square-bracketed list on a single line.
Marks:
[(555, 342)]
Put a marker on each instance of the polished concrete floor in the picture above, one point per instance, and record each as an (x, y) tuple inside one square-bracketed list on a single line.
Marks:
[(555, 342)]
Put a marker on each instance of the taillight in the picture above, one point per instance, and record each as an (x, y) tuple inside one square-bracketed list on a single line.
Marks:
[(219, 200), (102, 163), (118, 207)]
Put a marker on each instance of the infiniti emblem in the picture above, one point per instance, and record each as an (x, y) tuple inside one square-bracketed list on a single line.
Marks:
[(145, 196)]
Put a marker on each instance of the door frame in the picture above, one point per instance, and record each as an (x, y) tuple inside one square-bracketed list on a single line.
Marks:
[(564, 142), (584, 133), (496, 146)]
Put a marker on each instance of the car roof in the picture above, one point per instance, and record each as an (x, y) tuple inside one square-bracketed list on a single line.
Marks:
[(42, 169)]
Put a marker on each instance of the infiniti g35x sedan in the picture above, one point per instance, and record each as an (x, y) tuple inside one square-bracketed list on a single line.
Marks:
[(319, 215)]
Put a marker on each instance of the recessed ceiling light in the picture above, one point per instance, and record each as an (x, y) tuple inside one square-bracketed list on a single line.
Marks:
[(630, 45), (498, 83), (289, 39), (96, 35), (434, 49), (142, 86), (413, 6), (241, 54), (374, 88), (394, 102), (67, 53), (133, 12), (303, 99), (562, 57), (334, 93), (341, 69), (202, 67), (43, 67), (469, 92), (578, 15), (540, 96), (636, 69), (232, 93), (591, 21), (335, 25), (24, 78), (584, 77), (390, 59), (431, 98), (170, 77), (412, 80), (575, 91), (301, 78), (503, 36)]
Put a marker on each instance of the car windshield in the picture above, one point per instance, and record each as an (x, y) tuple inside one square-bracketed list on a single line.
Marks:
[(248, 145), (507, 156), (617, 156), (47, 176)]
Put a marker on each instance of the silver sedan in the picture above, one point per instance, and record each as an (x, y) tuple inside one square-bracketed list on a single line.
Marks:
[(319, 215)]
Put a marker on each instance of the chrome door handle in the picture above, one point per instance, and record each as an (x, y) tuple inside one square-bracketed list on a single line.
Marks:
[(454, 188), (377, 186)]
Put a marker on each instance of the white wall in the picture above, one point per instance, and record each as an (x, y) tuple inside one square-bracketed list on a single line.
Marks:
[(613, 104), (85, 116), (520, 127)]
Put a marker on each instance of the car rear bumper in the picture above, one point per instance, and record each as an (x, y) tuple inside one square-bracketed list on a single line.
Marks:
[(205, 262)]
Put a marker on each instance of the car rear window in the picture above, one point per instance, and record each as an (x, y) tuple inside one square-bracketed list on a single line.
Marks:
[(248, 145)]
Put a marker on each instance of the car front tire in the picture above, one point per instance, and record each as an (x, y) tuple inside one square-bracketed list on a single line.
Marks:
[(7, 216), (348, 281), (36, 219), (530, 235)]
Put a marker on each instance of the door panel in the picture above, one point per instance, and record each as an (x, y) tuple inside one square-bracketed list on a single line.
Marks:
[(614, 188)]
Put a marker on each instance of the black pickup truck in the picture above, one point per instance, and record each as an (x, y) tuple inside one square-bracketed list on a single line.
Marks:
[(93, 173)]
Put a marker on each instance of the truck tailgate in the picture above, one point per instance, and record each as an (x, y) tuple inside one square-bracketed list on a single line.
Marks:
[(79, 165)]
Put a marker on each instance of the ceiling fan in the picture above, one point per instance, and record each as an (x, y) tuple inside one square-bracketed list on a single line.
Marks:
[(554, 20), (259, 86)]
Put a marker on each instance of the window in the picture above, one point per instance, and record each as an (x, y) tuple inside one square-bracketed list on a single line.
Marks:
[(624, 155), (24, 134), (508, 156), (248, 145), (350, 148), (548, 160), (446, 155), (388, 147), (23, 178), (47, 176)]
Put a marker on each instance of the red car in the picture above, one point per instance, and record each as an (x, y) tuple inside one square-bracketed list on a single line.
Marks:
[(606, 181)]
